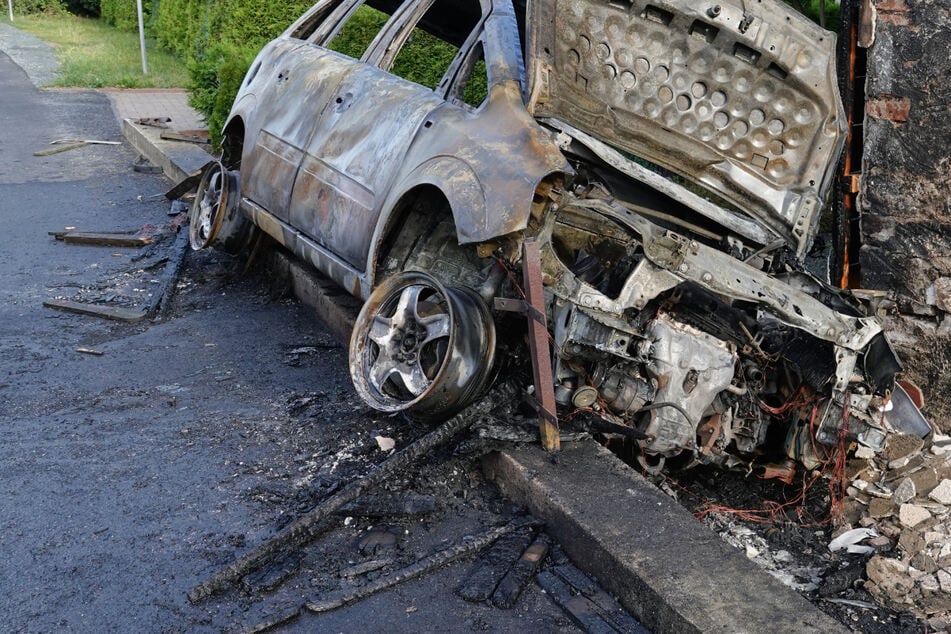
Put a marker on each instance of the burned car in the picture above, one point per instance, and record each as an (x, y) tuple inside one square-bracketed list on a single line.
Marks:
[(671, 159)]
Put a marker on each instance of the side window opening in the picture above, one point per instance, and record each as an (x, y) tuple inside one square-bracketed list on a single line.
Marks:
[(471, 85), (358, 31), (309, 23), (429, 50)]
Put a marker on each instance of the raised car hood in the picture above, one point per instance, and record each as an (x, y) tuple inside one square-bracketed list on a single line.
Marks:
[(737, 96)]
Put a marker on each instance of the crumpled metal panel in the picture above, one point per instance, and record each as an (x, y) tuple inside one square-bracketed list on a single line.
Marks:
[(740, 97)]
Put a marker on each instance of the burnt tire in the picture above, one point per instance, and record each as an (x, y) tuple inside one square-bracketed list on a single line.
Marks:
[(214, 217), (421, 348)]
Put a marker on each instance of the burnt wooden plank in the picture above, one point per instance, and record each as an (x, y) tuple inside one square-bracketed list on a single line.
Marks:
[(187, 184), (581, 610), (274, 574), (493, 566), (608, 606), (106, 239), (521, 573), (97, 310)]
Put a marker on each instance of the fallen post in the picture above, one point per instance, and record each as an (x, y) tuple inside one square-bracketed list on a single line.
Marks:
[(163, 295), (305, 528), (337, 599)]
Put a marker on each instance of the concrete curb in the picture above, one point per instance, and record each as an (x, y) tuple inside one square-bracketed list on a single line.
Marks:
[(177, 159), (667, 569)]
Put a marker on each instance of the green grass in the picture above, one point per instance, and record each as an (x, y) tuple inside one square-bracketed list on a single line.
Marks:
[(95, 55)]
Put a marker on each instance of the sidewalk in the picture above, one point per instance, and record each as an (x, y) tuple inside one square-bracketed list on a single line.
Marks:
[(135, 103), (38, 61)]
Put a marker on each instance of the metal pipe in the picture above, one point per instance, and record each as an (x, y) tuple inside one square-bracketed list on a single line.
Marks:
[(10, 7), (145, 64)]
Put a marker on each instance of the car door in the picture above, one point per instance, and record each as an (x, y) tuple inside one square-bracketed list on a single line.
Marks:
[(303, 80), (359, 144)]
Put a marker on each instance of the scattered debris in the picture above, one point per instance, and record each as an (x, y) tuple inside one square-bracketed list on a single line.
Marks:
[(201, 139), (493, 566), (104, 238), (153, 122), (390, 504), (589, 606), (97, 353), (145, 166), (162, 296), (273, 575), (280, 616), (362, 569), (307, 526), (64, 145), (849, 541), (377, 542), (188, 184)]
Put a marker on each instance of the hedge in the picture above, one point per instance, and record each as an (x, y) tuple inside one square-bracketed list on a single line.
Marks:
[(219, 39), (122, 14)]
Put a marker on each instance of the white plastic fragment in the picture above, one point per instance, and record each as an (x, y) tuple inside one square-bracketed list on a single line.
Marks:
[(849, 539)]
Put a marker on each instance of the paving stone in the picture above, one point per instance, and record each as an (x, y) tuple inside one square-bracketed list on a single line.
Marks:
[(904, 492), (924, 563), (925, 480), (880, 507), (944, 579), (929, 582), (888, 580), (911, 515), (942, 493), (902, 445)]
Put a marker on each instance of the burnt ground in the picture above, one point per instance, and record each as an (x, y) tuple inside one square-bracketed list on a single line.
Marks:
[(129, 476), (792, 542)]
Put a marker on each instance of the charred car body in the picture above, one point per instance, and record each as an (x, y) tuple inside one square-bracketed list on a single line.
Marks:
[(671, 158)]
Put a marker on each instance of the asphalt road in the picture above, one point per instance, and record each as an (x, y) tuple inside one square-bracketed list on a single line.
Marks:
[(127, 478)]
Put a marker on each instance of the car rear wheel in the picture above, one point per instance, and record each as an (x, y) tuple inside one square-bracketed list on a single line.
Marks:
[(422, 348), (214, 217)]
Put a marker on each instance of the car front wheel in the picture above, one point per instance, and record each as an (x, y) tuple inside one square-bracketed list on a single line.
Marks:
[(422, 348)]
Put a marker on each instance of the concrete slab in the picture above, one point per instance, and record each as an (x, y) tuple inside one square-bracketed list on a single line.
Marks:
[(670, 571)]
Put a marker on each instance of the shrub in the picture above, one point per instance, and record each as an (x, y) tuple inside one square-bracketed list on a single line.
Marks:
[(25, 7), (89, 8), (123, 14)]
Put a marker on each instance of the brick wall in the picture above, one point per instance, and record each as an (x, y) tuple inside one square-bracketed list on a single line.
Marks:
[(905, 190)]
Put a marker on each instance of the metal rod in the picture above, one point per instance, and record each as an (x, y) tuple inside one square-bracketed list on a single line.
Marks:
[(145, 63), (10, 7), (538, 342)]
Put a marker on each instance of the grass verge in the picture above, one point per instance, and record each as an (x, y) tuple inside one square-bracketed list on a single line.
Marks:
[(95, 55)]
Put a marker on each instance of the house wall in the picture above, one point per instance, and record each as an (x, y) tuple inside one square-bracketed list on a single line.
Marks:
[(905, 188)]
